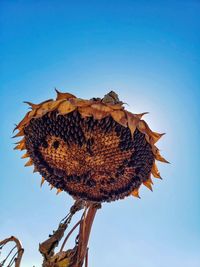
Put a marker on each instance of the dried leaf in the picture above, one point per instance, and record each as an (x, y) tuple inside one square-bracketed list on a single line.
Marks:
[(111, 97), (61, 259)]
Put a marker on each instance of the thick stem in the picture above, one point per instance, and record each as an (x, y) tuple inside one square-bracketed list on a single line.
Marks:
[(76, 256), (84, 234)]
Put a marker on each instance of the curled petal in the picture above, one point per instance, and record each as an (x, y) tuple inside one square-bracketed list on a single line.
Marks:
[(101, 107), (132, 122), (23, 122), (20, 133), (42, 181), (155, 172), (58, 191), (32, 114), (160, 158), (35, 106), (29, 163), (26, 155), (140, 115), (100, 115), (65, 108), (21, 141), (43, 109), (35, 169), (135, 193), (55, 104), (86, 111), (116, 106), (78, 102), (21, 146), (151, 137), (51, 186), (120, 117), (63, 95), (148, 184), (157, 154)]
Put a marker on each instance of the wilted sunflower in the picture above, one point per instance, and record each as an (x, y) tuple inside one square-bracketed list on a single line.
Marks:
[(93, 149)]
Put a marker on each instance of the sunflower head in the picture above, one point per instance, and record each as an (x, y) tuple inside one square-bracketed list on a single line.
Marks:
[(93, 149)]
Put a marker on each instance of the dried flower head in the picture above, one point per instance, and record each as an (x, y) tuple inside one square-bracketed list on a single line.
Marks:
[(93, 149)]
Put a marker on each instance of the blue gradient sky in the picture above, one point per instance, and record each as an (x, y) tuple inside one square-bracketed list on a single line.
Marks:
[(149, 53)]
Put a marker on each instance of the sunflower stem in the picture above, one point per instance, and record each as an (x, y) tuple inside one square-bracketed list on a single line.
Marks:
[(84, 234), (78, 255)]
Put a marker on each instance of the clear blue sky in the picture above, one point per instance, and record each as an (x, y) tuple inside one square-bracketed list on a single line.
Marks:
[(149, 53)]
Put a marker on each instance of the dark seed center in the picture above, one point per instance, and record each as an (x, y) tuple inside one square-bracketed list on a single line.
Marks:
[(56, 144)]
